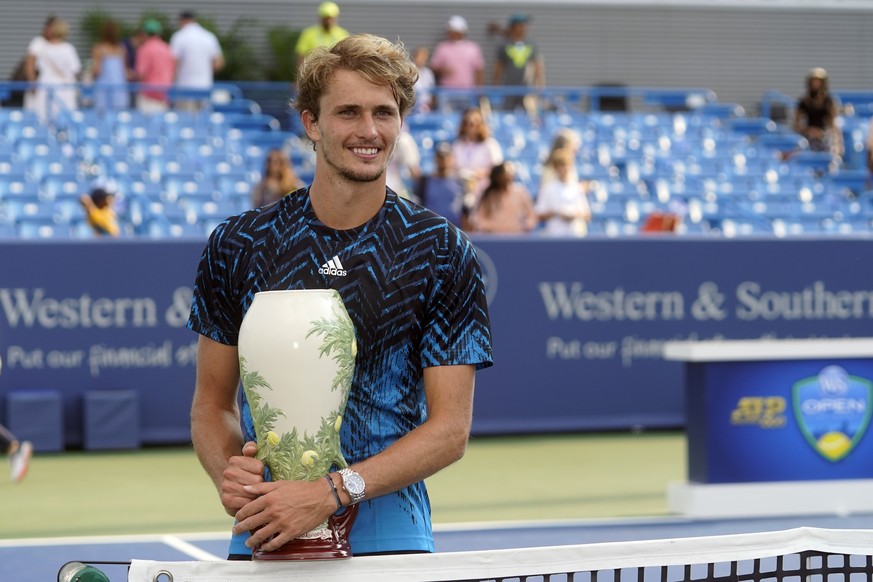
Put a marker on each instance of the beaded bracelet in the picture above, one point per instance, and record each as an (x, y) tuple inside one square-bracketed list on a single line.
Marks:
[(339, 504)]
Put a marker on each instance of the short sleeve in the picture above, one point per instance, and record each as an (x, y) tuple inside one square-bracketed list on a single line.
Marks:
[(216, 311), (457, 328)]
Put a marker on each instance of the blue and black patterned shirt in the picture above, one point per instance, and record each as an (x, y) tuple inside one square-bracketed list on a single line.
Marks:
[(413, 288)]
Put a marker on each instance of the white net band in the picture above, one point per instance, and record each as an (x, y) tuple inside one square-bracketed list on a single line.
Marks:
[(727, 552)]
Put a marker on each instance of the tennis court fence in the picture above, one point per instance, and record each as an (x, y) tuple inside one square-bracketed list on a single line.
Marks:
[(797, 555)]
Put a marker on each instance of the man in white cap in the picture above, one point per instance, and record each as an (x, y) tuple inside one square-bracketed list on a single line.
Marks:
[(326, 33), (457, 61)]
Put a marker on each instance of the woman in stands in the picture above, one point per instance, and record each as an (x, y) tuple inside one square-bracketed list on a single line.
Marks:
[(562, 203), (109, 69), (506, 206), (59, 66), (476, 152), (565, 139), (816, 114), (277, 180)]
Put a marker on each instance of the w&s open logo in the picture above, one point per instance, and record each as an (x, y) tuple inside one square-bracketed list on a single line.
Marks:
[(833, 411)]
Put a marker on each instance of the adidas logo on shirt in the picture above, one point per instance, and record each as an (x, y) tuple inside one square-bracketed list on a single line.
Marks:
[(333, 267)]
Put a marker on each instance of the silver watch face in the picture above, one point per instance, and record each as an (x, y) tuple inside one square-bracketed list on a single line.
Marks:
[(353, 483)]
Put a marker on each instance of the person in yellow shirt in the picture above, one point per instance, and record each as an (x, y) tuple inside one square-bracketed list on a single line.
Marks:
[(326, 33), (100, 213)]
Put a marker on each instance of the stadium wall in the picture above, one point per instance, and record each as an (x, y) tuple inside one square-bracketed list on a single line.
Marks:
[(578, 325), (738, 48)]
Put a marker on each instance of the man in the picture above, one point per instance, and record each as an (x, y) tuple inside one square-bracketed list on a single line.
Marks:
[(155, 68), (518, 63), (198, 57), (458, 62), (326, 33), (412, 286)]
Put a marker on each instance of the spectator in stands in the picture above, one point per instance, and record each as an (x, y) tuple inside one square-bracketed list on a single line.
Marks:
[(109, 70), (869, 144), (413, 289), (198, 57), (562, 204), (405, 165), (424, 96), (59, 66), (19, 453), (155, 67), (29, 67), (277, 180), (816, 114), (100, 213), (475, 152), (519, 64), (326, 33), (506, 206), (565, 138), (458, 62), (131, 43), (442, 191)]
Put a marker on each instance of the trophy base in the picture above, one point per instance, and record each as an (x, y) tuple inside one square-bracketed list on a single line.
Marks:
[(334, 547), (307, 550)]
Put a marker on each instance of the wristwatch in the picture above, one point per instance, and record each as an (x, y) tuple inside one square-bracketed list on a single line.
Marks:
[(353, 484)]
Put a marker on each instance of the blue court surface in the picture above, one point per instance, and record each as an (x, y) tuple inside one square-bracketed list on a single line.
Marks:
[(40, 559)]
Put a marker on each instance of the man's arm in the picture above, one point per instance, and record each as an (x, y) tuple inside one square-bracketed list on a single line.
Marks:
[(539, 73), (497, 79), (215, 425), (218, 62), (292, 508)]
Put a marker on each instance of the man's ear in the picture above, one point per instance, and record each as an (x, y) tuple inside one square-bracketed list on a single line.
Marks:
[(310, 124)]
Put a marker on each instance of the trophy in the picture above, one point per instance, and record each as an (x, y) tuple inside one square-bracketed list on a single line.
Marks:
[(297, 357)]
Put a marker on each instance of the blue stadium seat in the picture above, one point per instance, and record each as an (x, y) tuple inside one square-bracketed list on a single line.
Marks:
[(811, 160), (53, 185), (42, 227), (67, 205), (856, 181), (253, 121), (752, 126), (24, 201), (17, 123), (239, 105), (163, 227)]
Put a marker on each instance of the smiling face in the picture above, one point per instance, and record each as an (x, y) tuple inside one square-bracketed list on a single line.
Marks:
[(357, 128)]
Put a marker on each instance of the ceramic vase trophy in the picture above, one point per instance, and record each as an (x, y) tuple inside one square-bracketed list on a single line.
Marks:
[(297, 358)]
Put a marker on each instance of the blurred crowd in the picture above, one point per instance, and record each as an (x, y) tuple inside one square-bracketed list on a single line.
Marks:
[(471, 182)]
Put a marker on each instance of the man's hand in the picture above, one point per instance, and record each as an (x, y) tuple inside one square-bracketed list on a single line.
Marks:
[(241, 472), (284, 510)]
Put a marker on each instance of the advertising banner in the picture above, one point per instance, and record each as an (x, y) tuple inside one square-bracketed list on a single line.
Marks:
[(782, 420), (578, 325)]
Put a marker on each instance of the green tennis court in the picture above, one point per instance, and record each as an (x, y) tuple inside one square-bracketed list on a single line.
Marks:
[(164, 490)]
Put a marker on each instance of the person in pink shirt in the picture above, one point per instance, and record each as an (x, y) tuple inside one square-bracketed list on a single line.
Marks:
[(506, 206), (457, 61), (155, 66)]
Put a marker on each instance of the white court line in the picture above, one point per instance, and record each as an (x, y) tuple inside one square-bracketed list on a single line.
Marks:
[(437, 527), (116, 539), (556, 523), (190, 549)]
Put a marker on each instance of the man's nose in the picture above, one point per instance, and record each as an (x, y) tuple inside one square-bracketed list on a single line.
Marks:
[(367, 126)]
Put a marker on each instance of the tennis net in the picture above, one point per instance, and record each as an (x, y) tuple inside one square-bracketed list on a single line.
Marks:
[(796, 555)]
